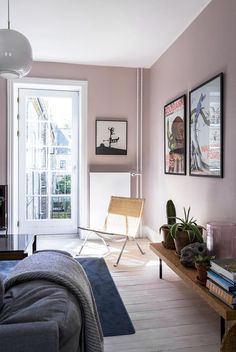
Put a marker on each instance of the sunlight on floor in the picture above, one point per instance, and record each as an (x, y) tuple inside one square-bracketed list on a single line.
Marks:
[(131, 259)]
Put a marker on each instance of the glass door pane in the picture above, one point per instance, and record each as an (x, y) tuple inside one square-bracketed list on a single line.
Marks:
[(49, 153)]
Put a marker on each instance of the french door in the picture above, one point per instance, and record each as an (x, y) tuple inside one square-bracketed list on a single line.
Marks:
[(48, 161)]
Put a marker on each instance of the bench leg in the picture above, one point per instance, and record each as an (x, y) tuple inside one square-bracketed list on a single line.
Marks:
[(160, 268), (222, 327)]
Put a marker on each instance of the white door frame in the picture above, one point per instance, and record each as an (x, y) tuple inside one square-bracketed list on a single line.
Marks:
[(12, 145), (49, 225)]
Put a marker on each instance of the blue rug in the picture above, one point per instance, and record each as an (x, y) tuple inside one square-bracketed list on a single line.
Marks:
[(112, 312), (113, 316), (6, 266)]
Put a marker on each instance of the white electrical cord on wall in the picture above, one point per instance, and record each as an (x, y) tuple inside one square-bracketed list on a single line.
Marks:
[(141, 134), (139, 137), (137, 134)]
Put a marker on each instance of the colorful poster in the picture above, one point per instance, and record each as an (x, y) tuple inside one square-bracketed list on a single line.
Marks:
[(206, 129), (175, 136)]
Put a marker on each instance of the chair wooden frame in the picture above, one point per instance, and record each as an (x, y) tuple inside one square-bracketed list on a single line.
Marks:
[(121, 223)]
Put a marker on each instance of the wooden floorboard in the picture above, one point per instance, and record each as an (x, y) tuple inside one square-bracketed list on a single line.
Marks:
[(166, 314)]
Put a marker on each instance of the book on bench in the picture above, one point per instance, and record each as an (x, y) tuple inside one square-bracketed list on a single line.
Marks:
[(227, 297), (222, 281), (225, 267)]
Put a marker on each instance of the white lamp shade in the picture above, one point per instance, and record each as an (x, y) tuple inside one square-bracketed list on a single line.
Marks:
[(15, 54)]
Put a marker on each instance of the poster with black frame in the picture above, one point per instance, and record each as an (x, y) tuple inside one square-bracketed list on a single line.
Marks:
[(111, 137), (206, 128), (175, 136)]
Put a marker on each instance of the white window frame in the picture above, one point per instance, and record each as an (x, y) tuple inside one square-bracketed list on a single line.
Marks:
[(13, 148)]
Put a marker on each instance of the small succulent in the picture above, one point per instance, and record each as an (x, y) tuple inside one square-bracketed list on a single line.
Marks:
[(203, 259)]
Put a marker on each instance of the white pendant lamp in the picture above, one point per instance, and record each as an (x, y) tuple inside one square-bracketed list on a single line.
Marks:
[(15, 53)]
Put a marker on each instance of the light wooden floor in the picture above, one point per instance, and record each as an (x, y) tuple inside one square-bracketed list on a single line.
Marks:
[(167, 315)]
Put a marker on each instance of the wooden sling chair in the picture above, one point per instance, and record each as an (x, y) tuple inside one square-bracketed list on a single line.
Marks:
[(121, 223)]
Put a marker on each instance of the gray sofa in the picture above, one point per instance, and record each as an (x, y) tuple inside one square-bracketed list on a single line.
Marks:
[(46, 305)]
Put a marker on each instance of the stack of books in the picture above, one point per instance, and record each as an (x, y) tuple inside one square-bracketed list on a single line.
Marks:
[(221, 280)]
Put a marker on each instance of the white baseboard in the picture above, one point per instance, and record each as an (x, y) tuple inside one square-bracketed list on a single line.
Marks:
[(52, 237), (152, 235)]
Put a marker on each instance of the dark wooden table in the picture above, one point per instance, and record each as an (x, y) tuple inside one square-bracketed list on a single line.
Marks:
[(16, 246), (189, 276)]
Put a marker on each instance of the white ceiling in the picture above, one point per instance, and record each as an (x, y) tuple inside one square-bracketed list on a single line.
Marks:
[(132, 33)]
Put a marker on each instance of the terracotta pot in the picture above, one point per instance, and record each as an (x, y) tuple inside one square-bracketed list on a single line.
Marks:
[(182, 240), (202, 273), (168, 241)]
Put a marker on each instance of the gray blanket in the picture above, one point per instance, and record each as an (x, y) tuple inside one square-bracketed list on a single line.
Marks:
[(62, 269)]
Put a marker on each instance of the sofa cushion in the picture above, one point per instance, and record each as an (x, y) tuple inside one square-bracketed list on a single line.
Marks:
[(41, 300), (65, 271), (40, 336)]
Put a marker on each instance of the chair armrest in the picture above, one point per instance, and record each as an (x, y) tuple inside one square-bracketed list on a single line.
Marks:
[(29, 337)]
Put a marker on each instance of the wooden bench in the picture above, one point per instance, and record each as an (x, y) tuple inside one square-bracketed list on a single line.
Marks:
[(189, 277)]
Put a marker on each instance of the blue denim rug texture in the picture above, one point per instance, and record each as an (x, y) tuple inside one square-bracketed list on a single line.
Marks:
[(113, 315)]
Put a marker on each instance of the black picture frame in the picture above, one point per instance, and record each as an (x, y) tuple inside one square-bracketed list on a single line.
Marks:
[(175, 136), (111, 137), (206, 128)]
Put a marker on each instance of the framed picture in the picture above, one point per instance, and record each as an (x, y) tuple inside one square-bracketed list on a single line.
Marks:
[(206, 128), (175, 137), (111, 137)]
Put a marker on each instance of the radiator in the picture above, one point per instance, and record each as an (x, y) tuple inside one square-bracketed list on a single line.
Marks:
[(103, 185)]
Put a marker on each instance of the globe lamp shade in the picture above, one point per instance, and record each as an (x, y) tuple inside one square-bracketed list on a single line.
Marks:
[(15, 54)]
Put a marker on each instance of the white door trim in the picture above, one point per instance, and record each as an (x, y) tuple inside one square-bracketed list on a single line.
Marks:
[(12, 145)]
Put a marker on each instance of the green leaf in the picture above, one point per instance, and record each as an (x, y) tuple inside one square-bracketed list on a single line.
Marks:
[(187, 224)]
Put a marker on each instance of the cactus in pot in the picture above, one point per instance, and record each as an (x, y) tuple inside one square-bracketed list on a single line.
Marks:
[(170, 212), (168, 241)]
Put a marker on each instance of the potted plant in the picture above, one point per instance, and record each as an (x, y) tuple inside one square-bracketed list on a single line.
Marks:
[(168, 241), (185, 231), (202, 264)]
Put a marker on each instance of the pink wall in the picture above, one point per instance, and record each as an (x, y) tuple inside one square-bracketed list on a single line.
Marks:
[(111, 93), (205, 49)]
